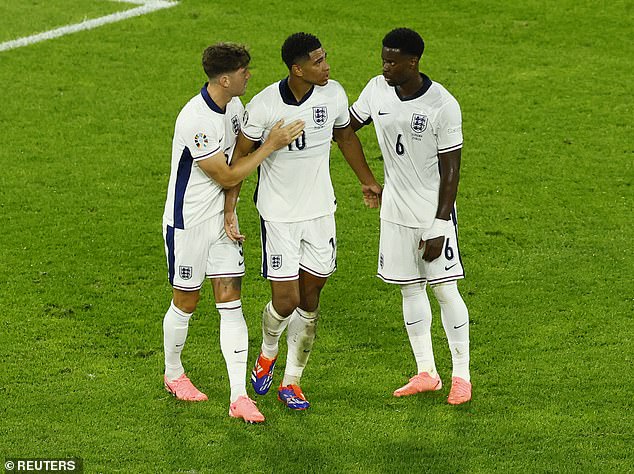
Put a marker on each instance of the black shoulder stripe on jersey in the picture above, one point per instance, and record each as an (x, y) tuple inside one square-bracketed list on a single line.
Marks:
[(356, 116)]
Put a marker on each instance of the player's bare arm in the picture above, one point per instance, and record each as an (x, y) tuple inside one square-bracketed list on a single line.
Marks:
[(449, 178), (350, 146), (243, 148), (231, 220), (355, 124), (227, 176)]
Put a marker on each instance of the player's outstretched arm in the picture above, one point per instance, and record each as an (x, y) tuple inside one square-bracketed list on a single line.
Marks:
[(228, 176), (434, 239), (350, 146)]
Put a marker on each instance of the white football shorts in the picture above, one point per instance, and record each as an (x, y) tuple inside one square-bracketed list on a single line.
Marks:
[(288, 247), (401, 262), (201, 251)]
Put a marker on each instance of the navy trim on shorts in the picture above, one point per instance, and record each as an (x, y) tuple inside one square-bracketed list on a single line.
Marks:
[(265, 269), (401, 282), (446, 279), (454, 218), (282, 278), (316, 273), (228, 275), (188, 288), (169, 241), (257, 188)]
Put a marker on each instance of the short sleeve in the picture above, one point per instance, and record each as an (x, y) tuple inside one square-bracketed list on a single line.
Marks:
[(201, 139), (343, 115), (449, 127), (361, 110), (253, 120)]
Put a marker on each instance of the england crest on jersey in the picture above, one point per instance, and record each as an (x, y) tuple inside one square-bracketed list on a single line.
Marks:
[(235, 124), (320, 115), (419, 123)]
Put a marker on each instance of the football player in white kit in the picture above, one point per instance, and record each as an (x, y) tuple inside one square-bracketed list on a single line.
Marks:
[(196, 244), (418, 125), (296, 203)]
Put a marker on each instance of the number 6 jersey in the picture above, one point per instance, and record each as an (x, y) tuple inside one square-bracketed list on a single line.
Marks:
[(411, 133), (294, 182)]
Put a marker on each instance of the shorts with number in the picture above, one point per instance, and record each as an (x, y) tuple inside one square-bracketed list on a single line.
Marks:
[(401, 262), (201, 251), (288, 247)]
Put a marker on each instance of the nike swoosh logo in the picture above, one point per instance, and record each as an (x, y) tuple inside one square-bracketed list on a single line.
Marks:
[(409, 324), (180, 345), (238, 352), (306, 350), (450, 267), (383, 113), (458, 327), (241, 263)]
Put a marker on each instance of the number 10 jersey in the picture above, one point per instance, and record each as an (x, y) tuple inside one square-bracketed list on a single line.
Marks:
[(294, 182)]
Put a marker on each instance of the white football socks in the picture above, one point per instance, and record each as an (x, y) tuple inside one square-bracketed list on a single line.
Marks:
[(175, 325), (273, 326), (455, 320), (417, 316), (300, 338), (234, 343)]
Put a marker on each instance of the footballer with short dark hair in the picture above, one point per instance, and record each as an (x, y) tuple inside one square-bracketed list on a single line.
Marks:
[(418, 125), (296, 203)]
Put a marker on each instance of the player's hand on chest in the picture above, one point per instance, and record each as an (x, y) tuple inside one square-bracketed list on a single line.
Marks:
[(318, 129)]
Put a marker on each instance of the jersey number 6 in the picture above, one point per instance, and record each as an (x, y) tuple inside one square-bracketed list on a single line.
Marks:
[(400, 149)]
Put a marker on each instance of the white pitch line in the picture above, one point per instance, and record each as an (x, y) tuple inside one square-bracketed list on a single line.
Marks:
[(147, 6)]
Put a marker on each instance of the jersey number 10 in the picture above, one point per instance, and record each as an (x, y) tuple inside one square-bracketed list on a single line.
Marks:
[(300, 142)]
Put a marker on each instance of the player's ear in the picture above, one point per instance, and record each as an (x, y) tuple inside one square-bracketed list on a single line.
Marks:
[(413, 63), (296, 69), (224, 80)]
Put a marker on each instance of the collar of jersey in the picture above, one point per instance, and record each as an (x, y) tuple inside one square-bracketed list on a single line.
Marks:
[(209, 101), (425, 87), (287, 94)]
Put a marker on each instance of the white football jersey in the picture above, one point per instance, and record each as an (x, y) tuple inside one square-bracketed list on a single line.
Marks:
[(411, 133), (202, 129), (294, 182)]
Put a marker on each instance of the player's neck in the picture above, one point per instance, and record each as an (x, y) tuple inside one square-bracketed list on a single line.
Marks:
[(218, 95), (298, 87), (411, 87)]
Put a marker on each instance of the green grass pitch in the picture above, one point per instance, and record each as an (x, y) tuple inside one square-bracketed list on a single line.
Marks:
[(545, 207)]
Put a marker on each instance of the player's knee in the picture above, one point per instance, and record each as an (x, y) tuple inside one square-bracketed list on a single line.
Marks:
[(446, 292), (186, 300), (285, 304), (309, 302), (413, 289), (227, 289)]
